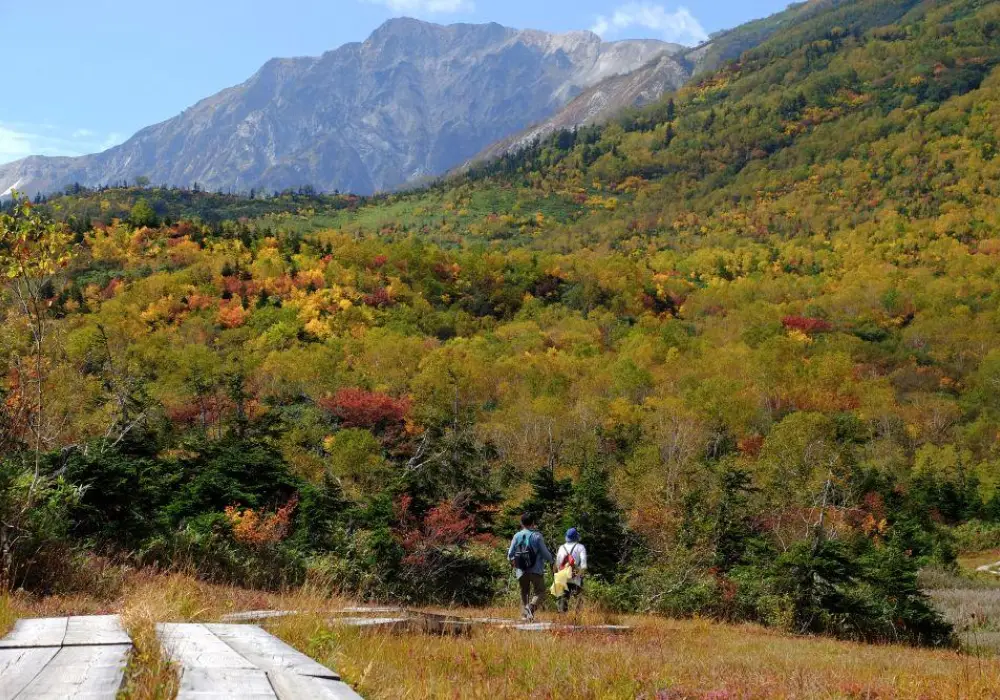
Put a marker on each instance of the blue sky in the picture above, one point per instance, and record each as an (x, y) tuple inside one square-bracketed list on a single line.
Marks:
[(83, 76)]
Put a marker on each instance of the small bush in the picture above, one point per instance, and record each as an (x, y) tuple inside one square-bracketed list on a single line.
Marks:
[(208, 548), (34, 525), (976, 536)]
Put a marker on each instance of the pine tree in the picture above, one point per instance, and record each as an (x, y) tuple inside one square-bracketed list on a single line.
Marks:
[(593, 511), (548, 501)]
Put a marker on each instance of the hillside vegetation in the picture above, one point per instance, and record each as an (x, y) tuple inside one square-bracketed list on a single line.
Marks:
[(744, 339)]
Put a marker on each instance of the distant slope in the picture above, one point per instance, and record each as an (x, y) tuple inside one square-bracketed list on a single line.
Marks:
[(415, 99), (603, 101), (668, 72), (729, 45)]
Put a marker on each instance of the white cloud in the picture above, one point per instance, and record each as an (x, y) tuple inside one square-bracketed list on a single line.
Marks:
[(426, 6), (678, 26), (22, 140)]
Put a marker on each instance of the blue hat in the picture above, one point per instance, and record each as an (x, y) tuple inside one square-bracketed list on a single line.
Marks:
[(572, 535)]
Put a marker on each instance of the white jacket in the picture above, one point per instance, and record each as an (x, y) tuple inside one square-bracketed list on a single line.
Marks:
[(579, 553)]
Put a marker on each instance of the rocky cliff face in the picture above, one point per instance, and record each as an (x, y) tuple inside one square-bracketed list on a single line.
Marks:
[(415, 99)]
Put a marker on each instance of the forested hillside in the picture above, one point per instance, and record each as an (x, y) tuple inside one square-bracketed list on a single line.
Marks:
[(744, 339)]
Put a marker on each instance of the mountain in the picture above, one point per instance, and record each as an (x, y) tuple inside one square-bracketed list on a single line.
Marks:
[(415, 99), (606, 99), (666, 73)]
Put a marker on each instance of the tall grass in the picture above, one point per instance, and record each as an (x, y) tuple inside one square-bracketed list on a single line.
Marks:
[(660, 659)]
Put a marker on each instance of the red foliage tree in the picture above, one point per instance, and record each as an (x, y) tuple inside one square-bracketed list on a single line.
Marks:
[(358, 408), (806, 324), (445, 525), (380, 298)]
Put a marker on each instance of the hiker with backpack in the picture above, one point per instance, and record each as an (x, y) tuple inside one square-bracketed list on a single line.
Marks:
[(528, 555), (571, 556)]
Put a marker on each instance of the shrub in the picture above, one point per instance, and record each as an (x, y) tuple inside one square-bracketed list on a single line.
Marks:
[(256, 528), (34, 525), (206, 547), (976, 536), (438, 565), (367, 566), (850, 590)]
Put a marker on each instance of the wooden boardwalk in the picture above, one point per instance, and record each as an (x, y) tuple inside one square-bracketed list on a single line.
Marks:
[(375, 619), (243, 662), (60, 658)]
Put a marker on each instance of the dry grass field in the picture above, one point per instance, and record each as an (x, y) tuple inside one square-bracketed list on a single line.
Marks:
[(660, 659)]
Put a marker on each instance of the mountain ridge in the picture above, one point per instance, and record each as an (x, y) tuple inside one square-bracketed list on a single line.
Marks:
[(412, 100)]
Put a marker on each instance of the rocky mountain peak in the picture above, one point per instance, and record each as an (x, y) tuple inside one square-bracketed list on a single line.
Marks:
[(414, 99)]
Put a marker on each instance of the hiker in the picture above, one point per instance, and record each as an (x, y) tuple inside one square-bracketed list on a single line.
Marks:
[(572, 556), (528, 555)]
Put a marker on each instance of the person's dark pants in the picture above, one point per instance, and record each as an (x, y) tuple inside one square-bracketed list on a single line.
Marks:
[(572, 591), (532, 591)]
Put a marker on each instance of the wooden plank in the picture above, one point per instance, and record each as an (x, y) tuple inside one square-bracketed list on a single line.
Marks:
[(392, 623), (534, 626), (369, 610), (499, 621), (292, 686), (440, 624), (81, 673), (193, 646), (18, 667), (94, 630), (225, 684), (36, 632), (256, 615), (268, 652)]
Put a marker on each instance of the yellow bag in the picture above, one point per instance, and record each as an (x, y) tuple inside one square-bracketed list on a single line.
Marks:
[(561, 583)]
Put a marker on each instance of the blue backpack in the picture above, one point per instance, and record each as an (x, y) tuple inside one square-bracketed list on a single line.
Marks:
[(524, 554)]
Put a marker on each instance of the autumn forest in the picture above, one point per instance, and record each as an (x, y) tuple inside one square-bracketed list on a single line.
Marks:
[(746, 339)]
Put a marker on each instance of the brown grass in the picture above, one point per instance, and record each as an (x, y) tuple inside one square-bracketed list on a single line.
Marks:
[(974, 560), (970, 600), (660, 659), (678, 659)]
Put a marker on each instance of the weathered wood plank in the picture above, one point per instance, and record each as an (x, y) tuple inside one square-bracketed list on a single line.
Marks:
[(374, 623), (292, 686), (256, 615), (497, 621), (369, 610), (193, 646), (80, 673), (225, 684), (268, 652), (36, 632), (94, 630), (18, 667), (534, 626), (440, 624)]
